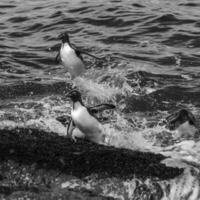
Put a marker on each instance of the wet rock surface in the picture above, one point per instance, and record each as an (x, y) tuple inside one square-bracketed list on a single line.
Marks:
[(34, 163)]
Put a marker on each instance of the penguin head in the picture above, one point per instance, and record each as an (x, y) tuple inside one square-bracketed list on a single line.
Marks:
[(64, 37), (75, 96)]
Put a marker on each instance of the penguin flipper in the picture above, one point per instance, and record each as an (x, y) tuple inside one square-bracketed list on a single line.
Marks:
[(83, 52), (79, 52), (70, 128), (101, 107), (63, 119), (58, 59)]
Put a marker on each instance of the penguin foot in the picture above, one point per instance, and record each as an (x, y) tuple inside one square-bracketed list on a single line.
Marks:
[(74, 138)]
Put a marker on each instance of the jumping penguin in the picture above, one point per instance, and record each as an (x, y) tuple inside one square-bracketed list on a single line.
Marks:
[(71, 57), (83, 122)]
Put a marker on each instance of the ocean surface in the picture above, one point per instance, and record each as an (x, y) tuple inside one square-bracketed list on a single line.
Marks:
[(150, 68)]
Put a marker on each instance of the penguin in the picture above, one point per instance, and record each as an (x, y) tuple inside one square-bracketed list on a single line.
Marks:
[(83, 119), (73, 132), (184, 123), (71, 57), (176, 119)]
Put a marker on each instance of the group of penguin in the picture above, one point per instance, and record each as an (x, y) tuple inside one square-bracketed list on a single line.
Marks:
[(83, 122)]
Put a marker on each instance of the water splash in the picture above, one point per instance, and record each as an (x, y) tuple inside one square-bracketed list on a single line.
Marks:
[(121, 134), (104, 85), (186, 186), (37, 113), (93, 90)]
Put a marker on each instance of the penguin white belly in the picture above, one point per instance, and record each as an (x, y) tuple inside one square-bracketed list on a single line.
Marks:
[(76, 133), (71, 61), (90, 126)]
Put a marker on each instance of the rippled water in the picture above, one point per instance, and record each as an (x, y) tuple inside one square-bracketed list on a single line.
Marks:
[(150, 67)]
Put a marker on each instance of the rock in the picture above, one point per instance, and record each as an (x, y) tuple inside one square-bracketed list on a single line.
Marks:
[(81, 158), (31, 160)]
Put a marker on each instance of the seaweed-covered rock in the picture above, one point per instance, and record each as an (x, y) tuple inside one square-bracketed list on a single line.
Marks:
[(82, 158), (31, 162)]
